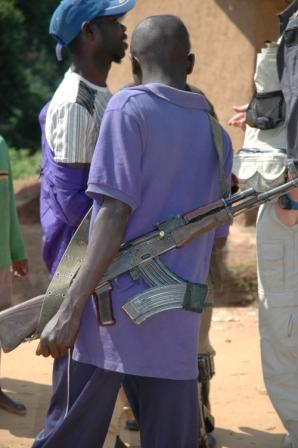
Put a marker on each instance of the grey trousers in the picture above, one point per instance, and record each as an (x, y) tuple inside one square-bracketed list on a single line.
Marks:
[(277, 253)]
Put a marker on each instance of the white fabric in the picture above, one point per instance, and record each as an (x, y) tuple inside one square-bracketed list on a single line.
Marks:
[(71, 130), (270, 139), (263, 171), (266, 76), (277, 250)]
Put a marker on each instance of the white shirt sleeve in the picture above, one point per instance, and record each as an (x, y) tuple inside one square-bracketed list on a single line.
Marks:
[(68, 131)]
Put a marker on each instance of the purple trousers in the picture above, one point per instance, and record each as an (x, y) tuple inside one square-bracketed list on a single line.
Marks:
[(166, 410)]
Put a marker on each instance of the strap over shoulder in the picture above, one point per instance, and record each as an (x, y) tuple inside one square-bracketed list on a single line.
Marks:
[(219, 146)]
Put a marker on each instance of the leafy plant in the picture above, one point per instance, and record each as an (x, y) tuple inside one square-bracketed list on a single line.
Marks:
[(29, 70), (24, 163), (245, 279)]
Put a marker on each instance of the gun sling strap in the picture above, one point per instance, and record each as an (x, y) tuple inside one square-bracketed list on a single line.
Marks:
[(66, 271), (167, 291)]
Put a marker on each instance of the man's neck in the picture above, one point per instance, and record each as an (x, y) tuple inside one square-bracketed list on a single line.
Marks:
[(97, 73), (162, 78)]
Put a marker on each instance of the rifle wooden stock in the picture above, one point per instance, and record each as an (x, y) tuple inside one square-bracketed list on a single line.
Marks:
[(19, 322), (212, 207), (185, 234), (205, 209)]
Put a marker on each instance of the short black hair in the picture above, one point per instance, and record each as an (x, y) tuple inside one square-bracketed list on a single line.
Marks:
[(160, 39)]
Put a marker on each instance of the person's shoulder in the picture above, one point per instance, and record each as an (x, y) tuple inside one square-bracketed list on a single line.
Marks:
[(78, 96), (124, 97), (3, 144), (67, 91), (194, 89), (43, 113), (68, 109)]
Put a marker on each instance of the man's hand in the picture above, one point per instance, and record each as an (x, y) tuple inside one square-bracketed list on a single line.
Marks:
[(59, 334), (106, 237), (239, 119), (20, 268)]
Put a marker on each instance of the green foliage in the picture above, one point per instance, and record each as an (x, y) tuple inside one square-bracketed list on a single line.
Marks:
[(244, 278), (24, 163), (29, 70), (13, 83)]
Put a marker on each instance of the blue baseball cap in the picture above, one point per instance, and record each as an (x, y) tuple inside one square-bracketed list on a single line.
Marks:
[(67, 19)]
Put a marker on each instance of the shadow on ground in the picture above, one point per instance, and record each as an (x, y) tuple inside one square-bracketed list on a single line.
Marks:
[(248, 437), (37, 395)]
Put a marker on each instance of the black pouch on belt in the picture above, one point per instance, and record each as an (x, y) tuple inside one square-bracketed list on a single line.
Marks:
[(266, 110)]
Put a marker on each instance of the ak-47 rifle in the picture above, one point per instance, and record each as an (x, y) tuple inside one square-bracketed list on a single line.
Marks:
[(140, 258)]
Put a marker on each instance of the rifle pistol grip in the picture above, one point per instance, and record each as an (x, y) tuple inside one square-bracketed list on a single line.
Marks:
[(104, 306)]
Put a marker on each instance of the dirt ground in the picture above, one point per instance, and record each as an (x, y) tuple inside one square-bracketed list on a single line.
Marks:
[(244, 415)]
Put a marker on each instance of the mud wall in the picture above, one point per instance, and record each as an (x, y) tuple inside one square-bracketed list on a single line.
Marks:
[(225, 35)]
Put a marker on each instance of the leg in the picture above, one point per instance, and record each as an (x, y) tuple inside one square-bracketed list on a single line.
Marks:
[(279, 345), (6, 402), (119, 443), (292, 427), (131, 391), (168, 413), (92, 396), (120, 409), (10, 405), (206, 371), (204, 344)]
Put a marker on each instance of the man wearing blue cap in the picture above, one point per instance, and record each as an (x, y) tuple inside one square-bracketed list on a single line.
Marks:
[(70, 124), (92, 32), (155, 157)]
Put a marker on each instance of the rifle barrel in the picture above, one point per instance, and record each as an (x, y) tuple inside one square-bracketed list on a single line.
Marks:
[(239, 196), (261, 198)]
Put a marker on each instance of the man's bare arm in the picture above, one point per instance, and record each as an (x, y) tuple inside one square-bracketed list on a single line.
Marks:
[(106, 237)]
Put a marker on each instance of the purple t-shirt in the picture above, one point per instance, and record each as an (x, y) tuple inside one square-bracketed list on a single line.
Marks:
[(155, 152)]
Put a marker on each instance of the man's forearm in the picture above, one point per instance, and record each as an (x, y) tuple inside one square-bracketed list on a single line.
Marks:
[(106, 237), (108, 231)]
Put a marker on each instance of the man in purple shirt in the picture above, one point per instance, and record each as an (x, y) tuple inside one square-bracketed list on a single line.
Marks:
[(155, 158), (95, 38)]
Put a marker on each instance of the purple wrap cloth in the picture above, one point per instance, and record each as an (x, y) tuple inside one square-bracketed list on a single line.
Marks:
[(63, 202)]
